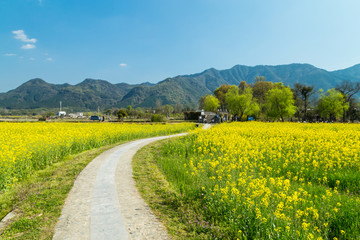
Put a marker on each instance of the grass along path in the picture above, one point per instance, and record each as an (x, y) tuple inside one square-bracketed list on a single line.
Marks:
[(40, 200), (178, 217)]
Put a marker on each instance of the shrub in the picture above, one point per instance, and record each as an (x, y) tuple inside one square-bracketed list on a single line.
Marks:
[(157, 118)]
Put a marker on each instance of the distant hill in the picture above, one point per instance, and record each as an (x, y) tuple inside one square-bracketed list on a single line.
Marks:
[(352, 73), (185, 90), (87, 95)]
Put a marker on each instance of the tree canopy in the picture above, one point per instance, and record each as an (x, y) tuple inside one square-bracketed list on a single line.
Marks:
[(264, 100), (243, 103), (220, 93), (332, 104), (260, 88), (211, 103), (280, 102)]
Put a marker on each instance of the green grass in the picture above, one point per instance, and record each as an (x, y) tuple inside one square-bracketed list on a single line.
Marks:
[(40, 199), (182, 219)]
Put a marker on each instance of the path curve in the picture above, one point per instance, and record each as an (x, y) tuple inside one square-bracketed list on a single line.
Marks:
[(104, 202)]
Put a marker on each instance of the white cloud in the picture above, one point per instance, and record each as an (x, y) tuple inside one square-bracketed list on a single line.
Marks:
[(20, 35), (9, 54), (32, 59), (122, 64), (28, 46), (49, 59)]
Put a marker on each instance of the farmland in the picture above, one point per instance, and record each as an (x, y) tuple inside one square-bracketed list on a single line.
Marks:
[(268, 180), (28, 147)]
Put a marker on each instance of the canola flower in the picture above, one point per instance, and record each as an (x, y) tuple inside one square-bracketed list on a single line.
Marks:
[(271, 180), (27, 147)]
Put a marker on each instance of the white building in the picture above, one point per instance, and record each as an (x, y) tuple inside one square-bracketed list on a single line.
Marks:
[(61, 114)]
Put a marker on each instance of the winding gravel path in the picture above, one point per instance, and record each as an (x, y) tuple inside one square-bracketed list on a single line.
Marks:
[(104, 202)]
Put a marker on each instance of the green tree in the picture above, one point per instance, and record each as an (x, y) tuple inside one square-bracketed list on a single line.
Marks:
[(157, 118), (158, 105), (260, 79), (242, 86), (211, 103), (107, 112), (168, 110), (260, 88), (280, 102), (241, 104), (220, 94), (332, 104), (139, 112), (129, 109), (121, 114)]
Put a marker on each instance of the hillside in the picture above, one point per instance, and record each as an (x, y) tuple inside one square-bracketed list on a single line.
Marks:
[(188, 89), (185, 90)]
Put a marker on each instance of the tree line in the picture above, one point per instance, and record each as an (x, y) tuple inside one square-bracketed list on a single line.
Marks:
[(157, 114), (266, 100)]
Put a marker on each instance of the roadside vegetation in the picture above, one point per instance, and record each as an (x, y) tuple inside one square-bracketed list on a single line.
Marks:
[(36, 203), (34, 159), (260, 181)]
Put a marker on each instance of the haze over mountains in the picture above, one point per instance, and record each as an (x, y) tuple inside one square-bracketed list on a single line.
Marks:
[(185, 90)]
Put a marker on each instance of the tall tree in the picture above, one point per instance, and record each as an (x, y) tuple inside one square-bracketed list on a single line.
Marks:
[(304, 92), (158, 105), (168, 110), (242, 86), (280, 102), (211, 103), (348, 89), (260, 88), (260, 79), (243, 103), (220, 93), (332, 104), (121, 114)]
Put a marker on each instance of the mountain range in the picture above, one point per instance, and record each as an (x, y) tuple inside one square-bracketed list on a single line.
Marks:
[(185, 89)]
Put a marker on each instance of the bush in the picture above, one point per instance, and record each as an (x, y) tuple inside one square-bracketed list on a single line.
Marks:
[(157, 118)]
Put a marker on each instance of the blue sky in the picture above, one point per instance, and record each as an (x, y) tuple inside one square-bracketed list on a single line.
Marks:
[(134, 41)]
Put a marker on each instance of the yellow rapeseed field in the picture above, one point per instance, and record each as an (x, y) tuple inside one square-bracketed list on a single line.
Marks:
[(270, 180), (27, 147)]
